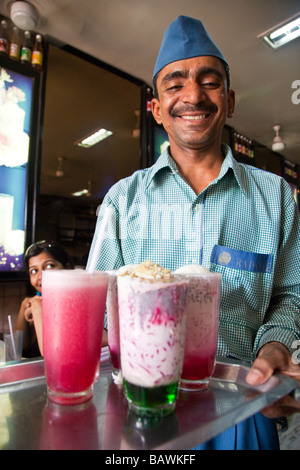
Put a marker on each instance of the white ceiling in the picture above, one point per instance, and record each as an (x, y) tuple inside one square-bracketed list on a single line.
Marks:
[(127, 34)]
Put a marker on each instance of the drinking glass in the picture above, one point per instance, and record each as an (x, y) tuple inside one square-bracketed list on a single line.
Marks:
[(73, 304), (152, 332), (202, 308), (113, 332)]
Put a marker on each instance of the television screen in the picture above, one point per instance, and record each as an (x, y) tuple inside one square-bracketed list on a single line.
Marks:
[(16, 92)]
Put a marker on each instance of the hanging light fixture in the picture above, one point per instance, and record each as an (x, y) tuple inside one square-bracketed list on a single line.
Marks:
[(24, 15)]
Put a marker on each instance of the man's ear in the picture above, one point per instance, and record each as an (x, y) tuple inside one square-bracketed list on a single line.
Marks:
[(155, 108), (231, 103)]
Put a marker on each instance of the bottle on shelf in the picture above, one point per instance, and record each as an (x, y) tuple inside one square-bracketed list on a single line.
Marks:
[(4, 41), (26, 49), (239, 144), (15, 46), (235, 144), (37, 53), (251, 149)]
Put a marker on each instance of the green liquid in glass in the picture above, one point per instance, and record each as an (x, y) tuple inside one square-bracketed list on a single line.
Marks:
[(155, 401)]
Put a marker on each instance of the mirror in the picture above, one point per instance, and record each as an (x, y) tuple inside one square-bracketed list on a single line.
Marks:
[(80, 97)]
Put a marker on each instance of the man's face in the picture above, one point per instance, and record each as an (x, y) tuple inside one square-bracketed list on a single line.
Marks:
[(193, 102)]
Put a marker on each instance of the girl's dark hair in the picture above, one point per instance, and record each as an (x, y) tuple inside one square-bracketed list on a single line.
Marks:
[(54, 249)]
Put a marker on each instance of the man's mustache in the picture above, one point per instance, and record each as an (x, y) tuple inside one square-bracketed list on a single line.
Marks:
[(198, 108)]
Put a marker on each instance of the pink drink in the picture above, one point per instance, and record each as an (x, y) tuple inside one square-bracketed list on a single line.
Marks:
[(73, 304), (113, 332), (152, 331), (113, 329), (203, 302)]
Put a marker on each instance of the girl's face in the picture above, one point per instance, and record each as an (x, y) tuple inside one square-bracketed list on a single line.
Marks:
[(39, 263)]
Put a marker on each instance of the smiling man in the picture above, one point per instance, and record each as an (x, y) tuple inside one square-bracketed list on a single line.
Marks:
[(231, 218), (193, 104)]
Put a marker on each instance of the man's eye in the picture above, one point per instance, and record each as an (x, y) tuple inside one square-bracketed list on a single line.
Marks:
[(174, 87), (212, 85)]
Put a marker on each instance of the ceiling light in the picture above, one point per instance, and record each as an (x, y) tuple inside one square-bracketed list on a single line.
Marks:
[(80, 193), (94, 138), (84, 192), (24, 15), (283, 33)]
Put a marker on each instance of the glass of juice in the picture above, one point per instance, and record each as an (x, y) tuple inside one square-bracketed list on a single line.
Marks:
[(152, 333), (202, 308), (73, 304)]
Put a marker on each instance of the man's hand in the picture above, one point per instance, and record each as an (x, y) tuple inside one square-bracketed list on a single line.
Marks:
[(275, 357)]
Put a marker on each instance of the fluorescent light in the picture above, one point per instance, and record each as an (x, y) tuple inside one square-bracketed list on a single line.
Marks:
[(283, 33), (80, 193), (84, 192), (94, 138)]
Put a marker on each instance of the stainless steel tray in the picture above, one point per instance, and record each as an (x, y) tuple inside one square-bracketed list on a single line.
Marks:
[(25, 371), (104, 422)]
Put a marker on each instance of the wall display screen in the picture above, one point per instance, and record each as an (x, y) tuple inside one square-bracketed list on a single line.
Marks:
[(16, 110)]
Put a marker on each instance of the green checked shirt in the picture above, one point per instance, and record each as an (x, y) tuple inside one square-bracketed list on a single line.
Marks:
[(244, 225)]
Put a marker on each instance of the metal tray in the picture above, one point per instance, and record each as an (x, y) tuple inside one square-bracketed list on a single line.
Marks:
[(104, 423), (25, 371)]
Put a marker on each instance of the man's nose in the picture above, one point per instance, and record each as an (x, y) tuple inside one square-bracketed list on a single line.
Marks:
[(193, 92)]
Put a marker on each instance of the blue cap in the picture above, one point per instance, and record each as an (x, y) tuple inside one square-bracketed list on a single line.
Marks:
[(185, 38)]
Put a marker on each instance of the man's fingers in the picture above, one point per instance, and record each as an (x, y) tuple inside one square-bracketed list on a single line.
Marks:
[(260, 371)]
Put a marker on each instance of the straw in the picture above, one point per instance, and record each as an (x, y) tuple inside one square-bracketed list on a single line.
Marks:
[(99, 241), (12, 337)]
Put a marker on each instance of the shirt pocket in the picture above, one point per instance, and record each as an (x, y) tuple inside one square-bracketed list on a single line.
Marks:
[(242, 260), (247, 283)]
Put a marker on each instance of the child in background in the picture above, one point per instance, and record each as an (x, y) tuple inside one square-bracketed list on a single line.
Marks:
[(38, 257)]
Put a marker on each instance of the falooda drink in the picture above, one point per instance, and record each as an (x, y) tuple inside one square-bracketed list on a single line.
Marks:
[(73, 303), (203, 303), (152, 331)]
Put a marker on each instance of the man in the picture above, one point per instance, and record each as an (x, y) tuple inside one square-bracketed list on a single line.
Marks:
[(197, 204)]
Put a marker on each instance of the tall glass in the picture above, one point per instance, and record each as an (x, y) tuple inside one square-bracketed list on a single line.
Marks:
[(152, 331), (73, 303), (113, 332), (203, 303)]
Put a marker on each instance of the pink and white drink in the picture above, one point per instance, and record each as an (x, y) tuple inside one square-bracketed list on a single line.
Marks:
[(73, 305), (203, 303), (152, 332)]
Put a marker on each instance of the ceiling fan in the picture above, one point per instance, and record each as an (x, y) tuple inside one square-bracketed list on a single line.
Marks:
[(278, 145), (57, 172)]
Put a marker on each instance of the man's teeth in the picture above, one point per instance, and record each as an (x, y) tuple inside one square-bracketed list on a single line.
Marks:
[(195, 118)]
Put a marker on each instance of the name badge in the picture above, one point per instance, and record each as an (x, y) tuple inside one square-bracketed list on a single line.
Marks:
[(242, 260)]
